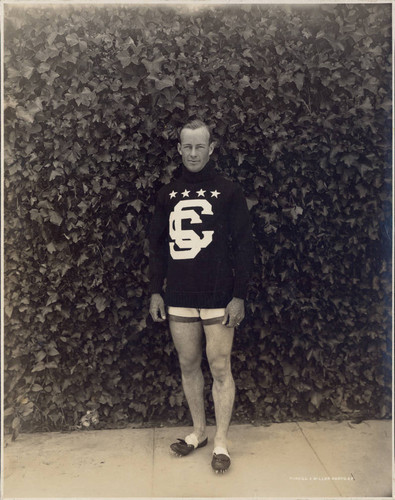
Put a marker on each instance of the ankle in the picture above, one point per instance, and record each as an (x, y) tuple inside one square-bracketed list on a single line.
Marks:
[(220, 441), (200, 433)]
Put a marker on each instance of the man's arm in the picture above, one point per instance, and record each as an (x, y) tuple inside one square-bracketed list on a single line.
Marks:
[(243, 257), (234, 313), (157, 260), (157, 307)]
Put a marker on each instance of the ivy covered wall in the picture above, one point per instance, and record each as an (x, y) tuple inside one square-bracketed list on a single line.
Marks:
[(300, 99)]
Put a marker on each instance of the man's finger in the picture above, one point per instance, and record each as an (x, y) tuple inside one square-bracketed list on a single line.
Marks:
[(232, 322), (159, 316), (155, 317), (236, 320), (226, 317), (162, 312)]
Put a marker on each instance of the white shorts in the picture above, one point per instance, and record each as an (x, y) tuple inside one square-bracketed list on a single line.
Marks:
[(192, 315)]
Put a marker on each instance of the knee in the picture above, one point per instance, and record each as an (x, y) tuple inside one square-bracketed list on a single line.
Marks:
[(220, 368), (189, 366)]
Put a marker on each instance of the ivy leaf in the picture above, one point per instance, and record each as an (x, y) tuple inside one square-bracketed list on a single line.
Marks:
[(43, 68), (83, 258), (244, 82), (27, 70), (28, 113), (296, 211), (51, 247), (155, 66), (40, 355), (72, 39), (316, 399), (55, 218), (8, 411), (137, 204), (23, 114), (56, 173), (126, 58), (48, 53), (16, 423), (350, 159), (101, 303), (164, 83), (39, 367), (367, 105), (132, 83), (251, 201)]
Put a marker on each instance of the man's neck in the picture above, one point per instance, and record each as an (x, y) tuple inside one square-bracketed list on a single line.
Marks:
[(205, 174)]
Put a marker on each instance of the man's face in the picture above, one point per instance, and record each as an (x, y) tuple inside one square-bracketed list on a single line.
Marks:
[(195, 148)]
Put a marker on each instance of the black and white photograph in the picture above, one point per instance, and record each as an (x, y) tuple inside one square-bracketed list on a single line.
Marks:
[(197, 249)]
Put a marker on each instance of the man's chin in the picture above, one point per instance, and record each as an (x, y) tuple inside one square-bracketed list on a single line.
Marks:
[(194, 167)]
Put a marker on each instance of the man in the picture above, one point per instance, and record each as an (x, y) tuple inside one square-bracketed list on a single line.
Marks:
[(201, 244)]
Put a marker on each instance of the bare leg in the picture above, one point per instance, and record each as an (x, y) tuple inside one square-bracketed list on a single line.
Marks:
[(187, 338), (219, 347)]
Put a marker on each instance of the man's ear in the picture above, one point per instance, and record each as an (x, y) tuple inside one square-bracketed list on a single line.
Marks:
[(211, 148), (179, 148)]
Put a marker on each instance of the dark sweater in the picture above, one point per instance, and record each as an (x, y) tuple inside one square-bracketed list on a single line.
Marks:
[(201, 241)]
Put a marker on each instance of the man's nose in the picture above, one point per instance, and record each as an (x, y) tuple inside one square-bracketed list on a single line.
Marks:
[(193, 151)]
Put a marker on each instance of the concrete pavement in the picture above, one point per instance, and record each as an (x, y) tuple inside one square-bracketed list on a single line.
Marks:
[(323, 459)]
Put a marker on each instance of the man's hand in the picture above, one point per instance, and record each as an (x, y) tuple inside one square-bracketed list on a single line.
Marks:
[(157, 307), (234, 313)]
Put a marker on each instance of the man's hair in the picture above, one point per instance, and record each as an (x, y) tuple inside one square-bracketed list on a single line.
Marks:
[(194, 124)]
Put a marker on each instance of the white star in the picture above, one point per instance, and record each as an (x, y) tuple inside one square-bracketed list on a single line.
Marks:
[(185, 193), (173, 194), (214, 194), (201, 192)]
